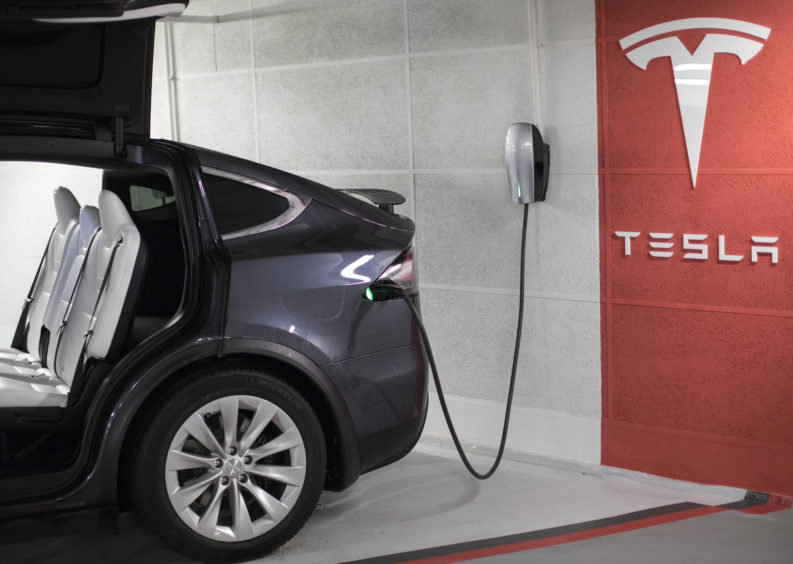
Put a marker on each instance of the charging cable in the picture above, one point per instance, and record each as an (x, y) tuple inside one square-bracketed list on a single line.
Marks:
[(428, 349)]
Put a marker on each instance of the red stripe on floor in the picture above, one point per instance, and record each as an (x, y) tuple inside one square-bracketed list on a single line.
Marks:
[(762, 509), (568, 538), (775, 503)]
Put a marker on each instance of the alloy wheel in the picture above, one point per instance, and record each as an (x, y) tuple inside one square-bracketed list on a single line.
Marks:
[(235, 468)]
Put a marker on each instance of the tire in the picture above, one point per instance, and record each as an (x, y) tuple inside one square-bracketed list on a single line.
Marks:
[(217, 494)]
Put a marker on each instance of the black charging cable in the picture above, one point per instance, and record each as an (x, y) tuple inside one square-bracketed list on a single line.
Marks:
[(428, 349)]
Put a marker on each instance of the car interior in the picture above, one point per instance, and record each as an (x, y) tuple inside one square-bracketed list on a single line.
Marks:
[(110, 277)]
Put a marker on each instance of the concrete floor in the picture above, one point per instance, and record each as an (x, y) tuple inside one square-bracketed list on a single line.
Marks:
[(428, 500)]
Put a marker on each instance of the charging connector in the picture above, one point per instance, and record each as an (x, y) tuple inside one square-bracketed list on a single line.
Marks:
[(428, 349)]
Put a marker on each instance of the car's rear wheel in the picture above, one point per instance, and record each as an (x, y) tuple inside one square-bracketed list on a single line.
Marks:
[(230, 465)]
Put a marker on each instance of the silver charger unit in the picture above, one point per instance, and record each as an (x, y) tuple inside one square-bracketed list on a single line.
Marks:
[(527, 160)]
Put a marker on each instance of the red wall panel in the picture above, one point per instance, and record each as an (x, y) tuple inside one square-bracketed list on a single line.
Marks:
[(697, 354)]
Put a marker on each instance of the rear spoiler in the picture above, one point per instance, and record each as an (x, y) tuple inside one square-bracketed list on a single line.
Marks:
[(384, 199)]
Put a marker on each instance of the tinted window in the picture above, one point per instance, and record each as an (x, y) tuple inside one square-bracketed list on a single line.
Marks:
[(142, 198), (237, 206)]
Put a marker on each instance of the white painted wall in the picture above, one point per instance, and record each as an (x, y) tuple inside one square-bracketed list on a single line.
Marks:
[(416, 96)]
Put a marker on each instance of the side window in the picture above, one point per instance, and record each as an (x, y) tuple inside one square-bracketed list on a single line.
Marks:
[(143, 199), (237, 206)]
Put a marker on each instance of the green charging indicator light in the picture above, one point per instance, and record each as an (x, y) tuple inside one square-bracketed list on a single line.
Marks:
[(369, 295)]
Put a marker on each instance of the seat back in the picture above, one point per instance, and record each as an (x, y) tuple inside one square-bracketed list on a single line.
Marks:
[(67, 210), (100, 315), (65, 284)]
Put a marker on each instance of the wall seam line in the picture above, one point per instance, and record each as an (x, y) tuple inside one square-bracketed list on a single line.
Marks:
[(409, 95), (384, 171), (535, 67), (173, 102), (510, 292), (712, 308), (256, 144), (354, 61), (606, 187)]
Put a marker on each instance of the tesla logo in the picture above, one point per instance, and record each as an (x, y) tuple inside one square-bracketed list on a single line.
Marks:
[(662, 247), (692, 70)]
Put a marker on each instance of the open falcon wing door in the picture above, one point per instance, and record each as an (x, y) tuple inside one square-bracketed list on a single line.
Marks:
[(78, 67)]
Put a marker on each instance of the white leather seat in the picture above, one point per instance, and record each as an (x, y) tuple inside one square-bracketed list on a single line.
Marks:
[(67, 211), (98, 318), (65, 287), (62, 292)]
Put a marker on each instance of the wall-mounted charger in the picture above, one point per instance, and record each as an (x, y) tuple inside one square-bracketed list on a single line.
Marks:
[(528, 160)]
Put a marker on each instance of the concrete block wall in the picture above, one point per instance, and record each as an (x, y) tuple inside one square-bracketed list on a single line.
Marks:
[(416, 96)]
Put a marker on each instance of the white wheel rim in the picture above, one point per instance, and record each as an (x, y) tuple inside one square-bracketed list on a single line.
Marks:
[(235, 468)]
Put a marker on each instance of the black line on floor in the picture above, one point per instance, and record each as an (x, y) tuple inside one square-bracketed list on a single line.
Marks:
[(530, 536), (742, 504), (752, 499)]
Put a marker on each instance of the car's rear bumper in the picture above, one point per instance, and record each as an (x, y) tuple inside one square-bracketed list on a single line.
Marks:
[(386, 392)]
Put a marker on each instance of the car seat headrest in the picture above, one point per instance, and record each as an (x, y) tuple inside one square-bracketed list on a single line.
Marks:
[(89, 223), (67, 208), (113, 216)]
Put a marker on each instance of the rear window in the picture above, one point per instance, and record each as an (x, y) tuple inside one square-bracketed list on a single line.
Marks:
[(237, 206)]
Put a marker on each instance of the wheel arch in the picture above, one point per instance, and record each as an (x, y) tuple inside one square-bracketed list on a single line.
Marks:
[(293, 368)]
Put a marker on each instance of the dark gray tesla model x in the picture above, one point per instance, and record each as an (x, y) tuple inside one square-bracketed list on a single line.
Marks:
[(215, 342)]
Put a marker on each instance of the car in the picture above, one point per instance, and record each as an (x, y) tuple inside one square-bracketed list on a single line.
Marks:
[(217, 341)]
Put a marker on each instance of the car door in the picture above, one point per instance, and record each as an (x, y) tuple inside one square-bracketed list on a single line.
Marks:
[(78, 67)]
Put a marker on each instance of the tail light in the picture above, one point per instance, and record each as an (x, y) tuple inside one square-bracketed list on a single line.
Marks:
[(398, 279)]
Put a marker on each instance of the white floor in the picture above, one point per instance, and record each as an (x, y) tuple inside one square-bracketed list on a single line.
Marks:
[(428, 500)]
